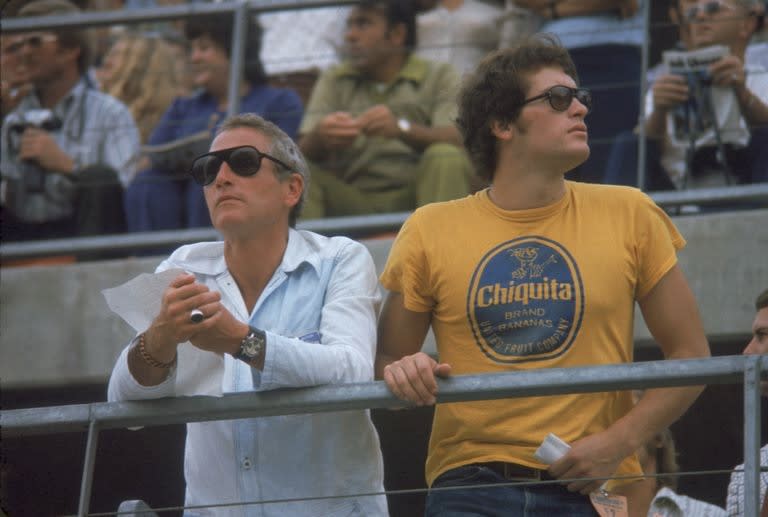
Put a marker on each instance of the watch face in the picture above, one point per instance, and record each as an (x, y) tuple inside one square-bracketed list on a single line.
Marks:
[(252, 345)]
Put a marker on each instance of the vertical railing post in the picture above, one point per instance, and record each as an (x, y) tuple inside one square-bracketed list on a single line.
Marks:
[(752, 436), (644, 59), (90, 461), (236, 60)]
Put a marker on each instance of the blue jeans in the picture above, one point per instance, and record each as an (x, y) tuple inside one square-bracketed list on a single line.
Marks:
[(506, 501)]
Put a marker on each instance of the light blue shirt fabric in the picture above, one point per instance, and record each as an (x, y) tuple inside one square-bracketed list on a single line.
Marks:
[(319, 313), (599, 29)]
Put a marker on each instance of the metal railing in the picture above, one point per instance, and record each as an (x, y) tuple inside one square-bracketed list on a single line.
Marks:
[(342, 397), (350, 226)]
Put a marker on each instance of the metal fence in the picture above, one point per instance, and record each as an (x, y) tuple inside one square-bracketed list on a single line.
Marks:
[(651, 374)]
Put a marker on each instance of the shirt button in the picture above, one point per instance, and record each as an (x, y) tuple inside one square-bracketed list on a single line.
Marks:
[(246, 463)]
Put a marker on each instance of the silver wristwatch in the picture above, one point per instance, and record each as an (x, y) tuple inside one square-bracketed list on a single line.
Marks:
[(252, 345)]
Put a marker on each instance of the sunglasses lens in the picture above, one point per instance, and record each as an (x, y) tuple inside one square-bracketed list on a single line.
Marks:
[(560, 97), (205, 169), (244, 161), (585, 98)]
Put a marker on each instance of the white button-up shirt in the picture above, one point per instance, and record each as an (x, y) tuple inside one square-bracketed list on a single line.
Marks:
[(319, 314)]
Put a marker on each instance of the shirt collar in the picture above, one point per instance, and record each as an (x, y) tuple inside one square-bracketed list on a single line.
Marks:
[(415, 70), (208, 258)]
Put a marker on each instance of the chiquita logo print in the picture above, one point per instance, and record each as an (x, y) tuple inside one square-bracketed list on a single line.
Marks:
[(526, 301)]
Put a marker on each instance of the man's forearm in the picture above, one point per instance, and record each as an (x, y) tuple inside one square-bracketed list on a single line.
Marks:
[(656, 410), (754, 110), (656, 124)]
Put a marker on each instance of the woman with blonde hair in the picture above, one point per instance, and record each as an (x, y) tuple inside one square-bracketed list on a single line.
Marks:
[(143, 73)]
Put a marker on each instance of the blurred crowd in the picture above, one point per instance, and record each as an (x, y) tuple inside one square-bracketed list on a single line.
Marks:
[(100, 124)]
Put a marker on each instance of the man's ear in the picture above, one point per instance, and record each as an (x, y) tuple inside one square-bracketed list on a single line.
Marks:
[(294, 187), (502, 130)]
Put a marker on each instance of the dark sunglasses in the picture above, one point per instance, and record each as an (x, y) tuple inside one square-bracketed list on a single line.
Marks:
[(35, 42), (560, 97), (244, 160), (708, 8)]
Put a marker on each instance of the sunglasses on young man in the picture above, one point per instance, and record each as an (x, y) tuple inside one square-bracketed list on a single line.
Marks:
[(243, 160), (560, 97), (708, 8)]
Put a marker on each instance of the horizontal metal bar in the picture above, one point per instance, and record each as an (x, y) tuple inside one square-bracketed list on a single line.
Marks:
[(351, 226), (153, 14), (343, 397), (707, 196)]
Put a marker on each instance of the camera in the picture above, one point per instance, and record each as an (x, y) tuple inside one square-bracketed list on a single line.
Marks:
[(33, 177), (37, 118)]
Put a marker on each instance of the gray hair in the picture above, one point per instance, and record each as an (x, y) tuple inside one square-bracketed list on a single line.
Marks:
[(283, 148)]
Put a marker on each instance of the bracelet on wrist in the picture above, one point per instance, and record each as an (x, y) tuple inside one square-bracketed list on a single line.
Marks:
[(151, 361)]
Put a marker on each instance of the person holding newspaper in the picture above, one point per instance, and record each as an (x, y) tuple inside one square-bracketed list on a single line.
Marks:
[(707, 117)]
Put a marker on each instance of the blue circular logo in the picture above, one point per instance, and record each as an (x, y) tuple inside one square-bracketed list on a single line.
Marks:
[(526, 301)]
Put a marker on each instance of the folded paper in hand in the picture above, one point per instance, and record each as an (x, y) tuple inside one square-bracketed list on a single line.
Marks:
[(551, 449), (138, 300)]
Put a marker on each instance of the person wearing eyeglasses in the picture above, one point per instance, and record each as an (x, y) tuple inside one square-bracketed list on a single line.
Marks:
[(534, 272), (729, 145), (66, 150), (269, 307)]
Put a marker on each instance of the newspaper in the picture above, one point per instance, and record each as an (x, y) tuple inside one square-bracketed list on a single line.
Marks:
[(696, 117)]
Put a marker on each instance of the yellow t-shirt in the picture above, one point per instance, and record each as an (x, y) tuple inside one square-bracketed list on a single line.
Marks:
[(550, 287)]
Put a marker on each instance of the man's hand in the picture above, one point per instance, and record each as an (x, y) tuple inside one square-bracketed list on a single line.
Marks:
[(729, 71), (220, 331), (669, 91), (412, 378), (379, 121), (10, 96), (595, 456), (338, 130), (172, 325), (39, 146)]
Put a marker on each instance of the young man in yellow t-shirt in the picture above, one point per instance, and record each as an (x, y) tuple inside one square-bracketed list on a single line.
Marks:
[(533, 272)]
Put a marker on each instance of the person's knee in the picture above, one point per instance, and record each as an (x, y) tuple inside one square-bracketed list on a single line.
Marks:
[(442, 151)]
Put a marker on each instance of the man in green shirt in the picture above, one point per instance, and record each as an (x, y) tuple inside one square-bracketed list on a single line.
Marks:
[(379, 129)]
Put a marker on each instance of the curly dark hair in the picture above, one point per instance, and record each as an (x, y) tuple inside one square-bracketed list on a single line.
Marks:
[(496, 90)]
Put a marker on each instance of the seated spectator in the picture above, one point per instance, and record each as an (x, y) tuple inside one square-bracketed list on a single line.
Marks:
[(460, 32), (66, 147), (655, 495), (379, 127), (730, 150), (734, 503), (141, 72), (605, 39), (163, 197)]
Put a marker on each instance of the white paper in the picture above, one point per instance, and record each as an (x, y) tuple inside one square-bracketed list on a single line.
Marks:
[(138, 300), (551, 449)]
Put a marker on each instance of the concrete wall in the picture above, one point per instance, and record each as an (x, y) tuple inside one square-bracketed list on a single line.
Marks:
[(55, 328)]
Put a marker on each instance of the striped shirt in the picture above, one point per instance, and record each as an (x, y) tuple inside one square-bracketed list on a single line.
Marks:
[(734, 503), (667, 503), (96, 129)]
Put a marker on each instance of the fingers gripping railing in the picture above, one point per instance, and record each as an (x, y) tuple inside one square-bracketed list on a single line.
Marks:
[(671, 373)]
